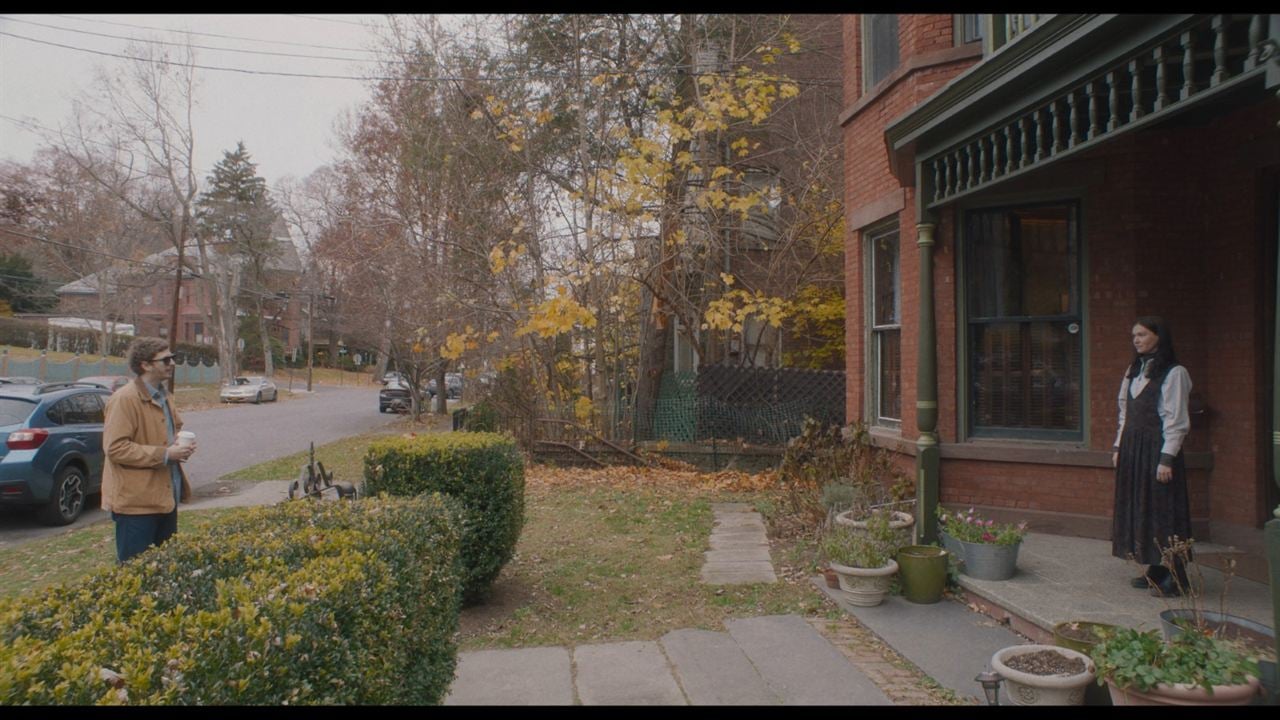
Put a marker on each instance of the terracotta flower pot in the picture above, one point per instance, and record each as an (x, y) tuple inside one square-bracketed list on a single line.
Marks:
[(1027, 689), (1183, 694)]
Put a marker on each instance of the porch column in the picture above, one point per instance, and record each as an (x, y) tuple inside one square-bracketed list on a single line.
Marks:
[(926, 394)]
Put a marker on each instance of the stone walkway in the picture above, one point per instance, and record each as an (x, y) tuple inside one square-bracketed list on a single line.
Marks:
[(771, 660), (739, 551)]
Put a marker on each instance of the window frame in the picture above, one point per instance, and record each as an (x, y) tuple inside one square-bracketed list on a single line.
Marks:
[(874, 331), (958, 27), (868, 51), (966, 427)]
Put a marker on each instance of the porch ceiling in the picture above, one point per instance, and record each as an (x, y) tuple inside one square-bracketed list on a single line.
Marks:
[(1071, 83)]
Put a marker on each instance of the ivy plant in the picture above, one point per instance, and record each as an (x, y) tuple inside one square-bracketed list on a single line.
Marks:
[(1142, 660)]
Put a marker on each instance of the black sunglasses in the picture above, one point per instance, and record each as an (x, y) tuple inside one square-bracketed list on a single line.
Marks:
[(167, 359)]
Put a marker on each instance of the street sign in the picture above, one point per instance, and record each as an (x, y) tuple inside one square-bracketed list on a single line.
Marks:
[(240, 343)]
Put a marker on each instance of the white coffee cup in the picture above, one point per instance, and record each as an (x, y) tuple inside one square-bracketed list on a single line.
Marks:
[(185, 438)]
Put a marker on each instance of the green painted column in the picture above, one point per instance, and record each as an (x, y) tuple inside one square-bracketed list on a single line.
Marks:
[(927, 453)]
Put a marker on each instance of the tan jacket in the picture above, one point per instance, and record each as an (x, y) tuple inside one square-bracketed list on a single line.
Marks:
[(135, 476)]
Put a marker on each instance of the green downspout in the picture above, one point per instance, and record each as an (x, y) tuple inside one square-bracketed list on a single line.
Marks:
[(1271, 532), (927, 455)]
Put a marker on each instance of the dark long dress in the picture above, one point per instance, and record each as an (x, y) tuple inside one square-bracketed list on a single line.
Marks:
[(1147, 512)]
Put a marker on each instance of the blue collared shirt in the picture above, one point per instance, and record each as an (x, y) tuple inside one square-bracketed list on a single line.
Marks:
[(162, 399)]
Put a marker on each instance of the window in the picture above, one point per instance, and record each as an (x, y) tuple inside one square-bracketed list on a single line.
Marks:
[(81, 409), (968, 28), (879, 48), (885, 342), (1022, 285), (760, 226)]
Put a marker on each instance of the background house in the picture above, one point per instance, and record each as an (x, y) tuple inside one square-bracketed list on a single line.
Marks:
[(1019, 188), (141, 294)]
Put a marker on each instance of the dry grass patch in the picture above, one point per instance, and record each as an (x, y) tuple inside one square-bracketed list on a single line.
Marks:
[(616, 554)]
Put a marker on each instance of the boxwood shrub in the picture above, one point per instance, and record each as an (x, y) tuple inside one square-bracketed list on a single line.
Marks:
[(300, 603), (484, 471)]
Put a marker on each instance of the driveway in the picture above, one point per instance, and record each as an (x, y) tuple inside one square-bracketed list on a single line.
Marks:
[(236, 437)]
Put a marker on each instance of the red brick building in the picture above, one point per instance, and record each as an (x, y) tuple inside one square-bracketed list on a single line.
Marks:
[(1018, 190)]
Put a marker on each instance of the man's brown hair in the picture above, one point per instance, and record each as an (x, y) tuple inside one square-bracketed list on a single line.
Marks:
[(142, 349)]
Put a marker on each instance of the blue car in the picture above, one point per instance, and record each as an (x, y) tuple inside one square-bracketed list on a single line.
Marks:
[(51, 447)]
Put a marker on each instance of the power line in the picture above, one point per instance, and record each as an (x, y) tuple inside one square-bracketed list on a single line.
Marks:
[(245, 71), (326, 19), (216, 35), (49, 241), (376, 78), (201, 47)]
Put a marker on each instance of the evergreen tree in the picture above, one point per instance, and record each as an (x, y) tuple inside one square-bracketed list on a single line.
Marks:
[(235, 215), (20, 289)]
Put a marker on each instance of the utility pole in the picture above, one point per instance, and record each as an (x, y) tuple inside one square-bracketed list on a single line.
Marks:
[(311, 347)]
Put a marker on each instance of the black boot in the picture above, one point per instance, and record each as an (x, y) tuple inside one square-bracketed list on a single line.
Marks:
[(1143, 581), (1166, 584)]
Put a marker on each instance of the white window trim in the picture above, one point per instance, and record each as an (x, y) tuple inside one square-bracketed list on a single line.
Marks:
[(873, 331)]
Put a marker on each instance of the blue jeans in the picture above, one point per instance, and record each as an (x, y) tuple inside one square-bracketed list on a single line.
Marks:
[(135, 533)]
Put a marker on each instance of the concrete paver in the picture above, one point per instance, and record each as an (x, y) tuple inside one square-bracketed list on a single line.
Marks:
[(714, 671), (526, 676), (739, 553), (946, 640), (799, 665), (625, 673)]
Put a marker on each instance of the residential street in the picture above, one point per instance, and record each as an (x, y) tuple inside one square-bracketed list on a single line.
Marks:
[(231, 438)]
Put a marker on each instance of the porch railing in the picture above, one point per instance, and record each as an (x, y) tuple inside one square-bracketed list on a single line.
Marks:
[(1156, 80)]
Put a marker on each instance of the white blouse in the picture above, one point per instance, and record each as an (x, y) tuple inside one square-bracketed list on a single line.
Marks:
[(1175, 393)]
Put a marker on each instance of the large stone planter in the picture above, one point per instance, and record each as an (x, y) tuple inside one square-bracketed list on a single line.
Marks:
[(902, 524), (1183, 694), (1231, 627), (865, 587), (1026, 689)]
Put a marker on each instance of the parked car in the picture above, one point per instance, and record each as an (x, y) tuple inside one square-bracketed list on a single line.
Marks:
[(395, 396), (51, 447), (19, 380), (452, 383), (110, 382), (252, 388), (393, 375)]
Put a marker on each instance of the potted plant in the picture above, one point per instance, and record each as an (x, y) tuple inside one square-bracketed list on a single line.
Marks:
[(923, 571), (863, 562), (1043, 674), (985, 549), (1256, 638), (1081, 636), (1192, 669)]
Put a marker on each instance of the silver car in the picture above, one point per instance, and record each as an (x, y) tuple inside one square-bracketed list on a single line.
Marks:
[(250, 388)]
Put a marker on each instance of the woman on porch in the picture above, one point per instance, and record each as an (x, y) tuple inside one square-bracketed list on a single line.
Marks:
[(1151, 503)]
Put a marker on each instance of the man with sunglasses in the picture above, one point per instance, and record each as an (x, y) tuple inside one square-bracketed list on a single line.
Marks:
[(142, 478)]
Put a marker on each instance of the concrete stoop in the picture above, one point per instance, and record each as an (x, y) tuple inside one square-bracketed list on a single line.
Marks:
[(772, 660)]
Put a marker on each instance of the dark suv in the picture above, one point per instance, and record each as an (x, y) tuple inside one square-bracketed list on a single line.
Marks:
[(395, 396), (51, 447)]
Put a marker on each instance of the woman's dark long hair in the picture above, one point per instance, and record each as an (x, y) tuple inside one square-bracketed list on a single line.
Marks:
[(1163, 357)]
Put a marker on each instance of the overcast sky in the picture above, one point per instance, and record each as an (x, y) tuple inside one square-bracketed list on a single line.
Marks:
[(286, 123)]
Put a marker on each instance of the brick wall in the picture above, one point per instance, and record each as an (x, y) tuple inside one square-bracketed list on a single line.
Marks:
[(868, 179), (1170, 225)]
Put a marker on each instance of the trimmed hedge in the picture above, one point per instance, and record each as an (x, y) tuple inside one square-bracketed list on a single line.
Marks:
[(484, 471), (300, 603)]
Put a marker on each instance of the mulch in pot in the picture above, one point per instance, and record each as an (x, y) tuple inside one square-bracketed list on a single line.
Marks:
[(1046, 662)]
